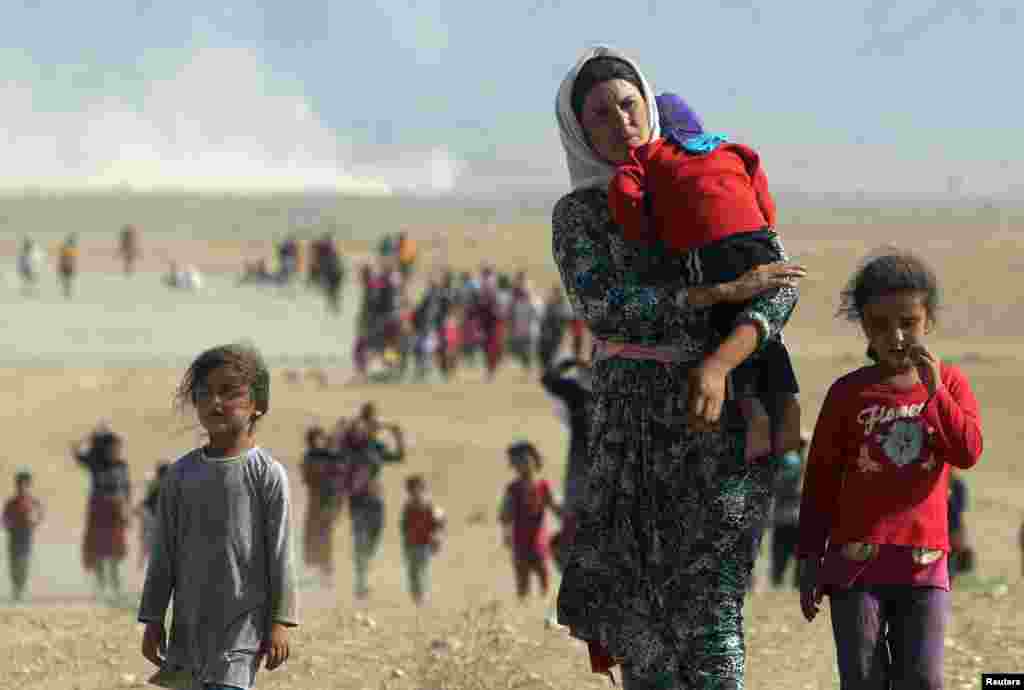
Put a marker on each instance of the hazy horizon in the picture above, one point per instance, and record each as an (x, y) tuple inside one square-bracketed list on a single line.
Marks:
[(447, 99)]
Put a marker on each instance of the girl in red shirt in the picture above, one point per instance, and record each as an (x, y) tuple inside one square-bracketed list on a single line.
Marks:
[(874, 532), (523, 510)]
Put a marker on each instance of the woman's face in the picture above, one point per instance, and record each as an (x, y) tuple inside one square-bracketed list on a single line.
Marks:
[(614, 117)]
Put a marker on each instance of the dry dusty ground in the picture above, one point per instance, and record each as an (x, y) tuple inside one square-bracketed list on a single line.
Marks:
[(474, 635)]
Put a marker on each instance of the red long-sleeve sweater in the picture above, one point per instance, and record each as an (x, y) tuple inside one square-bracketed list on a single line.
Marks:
[(695, 199), (878, 469)]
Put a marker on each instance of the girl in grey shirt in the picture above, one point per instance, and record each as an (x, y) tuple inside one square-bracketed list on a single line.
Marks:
[(223, 543)]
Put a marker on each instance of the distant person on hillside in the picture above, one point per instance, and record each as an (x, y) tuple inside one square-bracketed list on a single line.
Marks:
[(524, 507), (105, 542), (554, 319), (523, 322), (327, 269), (128, 248), (223, 551), (407, 254), (187, 278), (492, 316), (421, 527), (874, 533), (22, 514), (288, 258), (67, 263), (147, 511), (426, 320), (30, 261)]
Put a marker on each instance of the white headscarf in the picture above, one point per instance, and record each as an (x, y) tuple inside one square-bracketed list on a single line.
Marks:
[(586, 168)]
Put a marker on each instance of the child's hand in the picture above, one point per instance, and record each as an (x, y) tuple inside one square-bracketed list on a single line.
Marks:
[(275, 648), (154, 643), (810, 591), (927, 367)]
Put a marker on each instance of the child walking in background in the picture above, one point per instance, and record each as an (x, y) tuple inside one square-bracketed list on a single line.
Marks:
[(688, 191), (320, 503), (873, 525), (105, 543), (421, 527), (524, 507), (147, 512), (22, 514), (364, 456), (223, 549)]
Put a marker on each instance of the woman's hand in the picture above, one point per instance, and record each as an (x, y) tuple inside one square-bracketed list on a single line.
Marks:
[(757, 280), (706, 394), (765, 278)]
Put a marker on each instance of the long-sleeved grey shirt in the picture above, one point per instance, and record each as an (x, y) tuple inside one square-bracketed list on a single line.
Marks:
[(223, 550)]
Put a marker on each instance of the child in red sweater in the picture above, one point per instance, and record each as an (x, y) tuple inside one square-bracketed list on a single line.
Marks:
[(688, 191), (421, 528), (523, 510), (873, 525), (22, 514)]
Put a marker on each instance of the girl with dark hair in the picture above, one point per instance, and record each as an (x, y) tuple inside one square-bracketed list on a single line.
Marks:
[(874, 534), (661, 558), (223, 547)]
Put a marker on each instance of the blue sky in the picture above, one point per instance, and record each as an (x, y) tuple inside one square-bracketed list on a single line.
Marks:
[(439, 96)]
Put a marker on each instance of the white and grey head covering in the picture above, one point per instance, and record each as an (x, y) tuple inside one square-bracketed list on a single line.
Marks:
[(586, 167)]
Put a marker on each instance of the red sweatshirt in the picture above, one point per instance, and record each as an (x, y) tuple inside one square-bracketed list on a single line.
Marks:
[(695, 199), (895, 452)]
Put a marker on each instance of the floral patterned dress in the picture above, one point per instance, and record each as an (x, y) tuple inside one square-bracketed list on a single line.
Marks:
[(667, 521)]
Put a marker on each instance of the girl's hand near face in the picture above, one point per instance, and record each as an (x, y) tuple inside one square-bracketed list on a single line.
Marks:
[(928, 367)]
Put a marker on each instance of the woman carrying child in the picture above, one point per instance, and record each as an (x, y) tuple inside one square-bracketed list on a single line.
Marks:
[(660, 563)]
